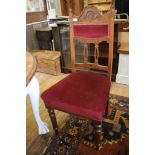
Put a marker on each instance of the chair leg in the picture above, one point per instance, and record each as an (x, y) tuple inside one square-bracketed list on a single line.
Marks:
[(98, 134), (53, 120)]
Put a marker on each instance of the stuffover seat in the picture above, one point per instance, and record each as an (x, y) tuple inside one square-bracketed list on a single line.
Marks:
[(81, 93), (85, 93)]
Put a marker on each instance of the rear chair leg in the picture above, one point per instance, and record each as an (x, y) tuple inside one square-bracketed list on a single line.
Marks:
[(98, 134), (53, 120)]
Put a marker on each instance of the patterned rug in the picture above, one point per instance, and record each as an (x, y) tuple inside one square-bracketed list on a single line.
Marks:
[(115, 128)]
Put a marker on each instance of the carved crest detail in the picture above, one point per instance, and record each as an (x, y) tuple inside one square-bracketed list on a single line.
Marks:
[(90, 13)]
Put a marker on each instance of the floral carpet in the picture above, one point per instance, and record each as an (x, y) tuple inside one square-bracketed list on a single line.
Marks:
[(115, 128)]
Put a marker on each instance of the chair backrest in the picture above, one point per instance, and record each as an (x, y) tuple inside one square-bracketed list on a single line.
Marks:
[(92, 27)]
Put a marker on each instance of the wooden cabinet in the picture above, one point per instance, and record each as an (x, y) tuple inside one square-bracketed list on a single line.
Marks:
[(77, 7), (45, 37)]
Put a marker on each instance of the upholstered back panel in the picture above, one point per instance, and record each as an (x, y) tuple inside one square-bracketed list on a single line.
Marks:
[(91, 31)]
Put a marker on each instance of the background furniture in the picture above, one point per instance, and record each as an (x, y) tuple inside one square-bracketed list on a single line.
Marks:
[(102, 5), (123, 67), (33, 92), (122, 6), (36, 16), (76, 5), (123, 50), (85, 93), (31, 39), (45, 38), (48, 61)]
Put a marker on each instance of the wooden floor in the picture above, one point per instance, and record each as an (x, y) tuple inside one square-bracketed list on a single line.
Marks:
[(35, 143)]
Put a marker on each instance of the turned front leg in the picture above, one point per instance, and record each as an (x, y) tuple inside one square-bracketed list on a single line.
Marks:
[(98, 134), (53, 120)]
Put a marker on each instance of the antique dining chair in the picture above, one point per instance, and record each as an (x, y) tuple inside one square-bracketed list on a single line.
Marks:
[(85, 93)]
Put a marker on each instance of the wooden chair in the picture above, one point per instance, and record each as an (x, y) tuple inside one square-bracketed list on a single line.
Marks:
[(85, 94)]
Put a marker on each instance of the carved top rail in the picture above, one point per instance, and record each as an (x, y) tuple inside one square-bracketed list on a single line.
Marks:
[(91, 14)]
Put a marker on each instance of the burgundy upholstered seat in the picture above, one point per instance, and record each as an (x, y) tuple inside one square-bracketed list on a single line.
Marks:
[(81, 93)]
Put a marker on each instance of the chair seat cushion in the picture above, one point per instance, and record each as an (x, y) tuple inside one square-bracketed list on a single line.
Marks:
[(81, 93)]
